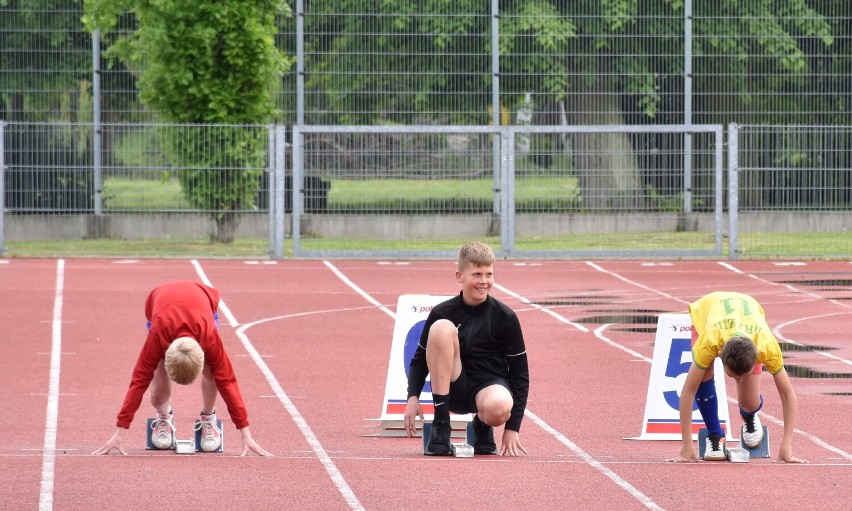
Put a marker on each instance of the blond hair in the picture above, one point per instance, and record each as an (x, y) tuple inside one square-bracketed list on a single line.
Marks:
[(184, 360), (476, 254)]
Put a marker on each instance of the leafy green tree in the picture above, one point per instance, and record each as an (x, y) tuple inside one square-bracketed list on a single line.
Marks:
[(609, 61), (43, 50), (205, 63)]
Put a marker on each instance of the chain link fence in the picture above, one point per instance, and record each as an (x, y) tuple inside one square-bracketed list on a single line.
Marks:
[(551, 66), (792, 191)]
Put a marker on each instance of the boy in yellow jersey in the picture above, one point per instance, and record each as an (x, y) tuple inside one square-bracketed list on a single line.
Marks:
[(732, 326)]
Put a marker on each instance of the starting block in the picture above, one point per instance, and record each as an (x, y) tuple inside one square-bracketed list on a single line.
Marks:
[(190, 446), (198, 436), (762, 450), (460, 449), (739, 453), (149, 444)]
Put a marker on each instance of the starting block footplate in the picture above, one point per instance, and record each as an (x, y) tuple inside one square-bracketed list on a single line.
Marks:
[(148, 443), (198, 437), (762, 450), (738, 453)]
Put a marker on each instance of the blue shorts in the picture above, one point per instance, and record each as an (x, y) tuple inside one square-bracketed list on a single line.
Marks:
[(463, 391)]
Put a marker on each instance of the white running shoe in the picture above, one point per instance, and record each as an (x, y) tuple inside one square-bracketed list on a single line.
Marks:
[(752, 432), (211, 435), (163, 432), (714, 450)]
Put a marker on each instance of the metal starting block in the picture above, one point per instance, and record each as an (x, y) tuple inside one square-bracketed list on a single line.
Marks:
[(762, 450), (185, 446), (197, 442), (739, 453), (460, 449), (190, 446)]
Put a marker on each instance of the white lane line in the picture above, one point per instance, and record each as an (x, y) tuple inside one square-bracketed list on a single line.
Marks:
[(320, 452), (546, 310), (48, 460), (590, 460), (587, 458)]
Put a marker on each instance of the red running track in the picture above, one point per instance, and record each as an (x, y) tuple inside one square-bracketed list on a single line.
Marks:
[(310, 342)]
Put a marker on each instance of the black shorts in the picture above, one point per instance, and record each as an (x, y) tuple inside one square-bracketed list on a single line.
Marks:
[(463, 391)]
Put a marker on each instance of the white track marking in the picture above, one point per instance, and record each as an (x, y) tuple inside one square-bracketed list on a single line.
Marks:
[(48, 460), (546, 310), (358, 290), (588, 459), (599, 334), (320, 452), (772, 419), (777, 331)]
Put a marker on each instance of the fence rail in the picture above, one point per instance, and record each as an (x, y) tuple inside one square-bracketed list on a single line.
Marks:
[(416, 191)]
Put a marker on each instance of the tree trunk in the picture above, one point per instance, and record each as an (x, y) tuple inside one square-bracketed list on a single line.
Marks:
[(609, 174), (226, 227)]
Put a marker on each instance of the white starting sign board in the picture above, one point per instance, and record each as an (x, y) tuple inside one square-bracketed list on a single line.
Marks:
[(671, 362), (411, 313)]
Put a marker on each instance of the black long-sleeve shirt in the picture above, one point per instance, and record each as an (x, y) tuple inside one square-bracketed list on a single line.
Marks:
[(490, 343)]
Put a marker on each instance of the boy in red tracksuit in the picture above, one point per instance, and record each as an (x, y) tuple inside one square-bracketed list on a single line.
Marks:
[(183, 341)]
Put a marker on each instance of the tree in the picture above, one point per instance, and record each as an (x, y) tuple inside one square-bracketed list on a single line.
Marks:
[(611, 61), (205, 63)]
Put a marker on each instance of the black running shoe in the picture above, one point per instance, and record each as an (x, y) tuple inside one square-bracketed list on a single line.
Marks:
[(439, 440), (483, 437)]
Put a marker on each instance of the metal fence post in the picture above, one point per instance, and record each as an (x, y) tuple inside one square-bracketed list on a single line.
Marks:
[(278, 179), (507, 190), (2, 188), (295, 188), (97, 130), (719, 172), (733, 191), (496, 150), (270, 189), (687, 107)]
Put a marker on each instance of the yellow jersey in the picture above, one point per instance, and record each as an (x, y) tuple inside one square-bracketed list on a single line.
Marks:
[(721, 315)]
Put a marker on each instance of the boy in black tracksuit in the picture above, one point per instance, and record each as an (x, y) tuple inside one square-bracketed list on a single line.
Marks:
[(473, 348)]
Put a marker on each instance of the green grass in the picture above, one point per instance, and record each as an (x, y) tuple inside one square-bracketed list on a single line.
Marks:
[(154, 248), (126, 194), (122, 194), (758, 246), (772, 245), (142, 194)]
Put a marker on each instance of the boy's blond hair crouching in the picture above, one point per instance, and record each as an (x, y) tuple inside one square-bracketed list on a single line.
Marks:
[(184, 360)]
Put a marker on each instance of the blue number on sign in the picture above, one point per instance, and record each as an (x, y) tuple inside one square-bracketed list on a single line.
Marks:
[(675, 367), (412, 339)]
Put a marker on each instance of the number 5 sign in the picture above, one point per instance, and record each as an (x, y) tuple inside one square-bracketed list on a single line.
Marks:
[(672, 359)]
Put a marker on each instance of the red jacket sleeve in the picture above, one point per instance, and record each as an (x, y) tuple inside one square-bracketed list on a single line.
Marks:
[(226, 381), (143, 373)]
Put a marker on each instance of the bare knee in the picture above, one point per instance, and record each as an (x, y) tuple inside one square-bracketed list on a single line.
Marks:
[(442, 331), (159, 397), (160, 389), (494, 405)]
